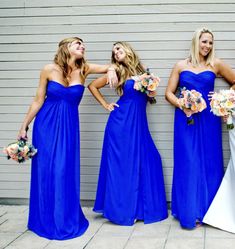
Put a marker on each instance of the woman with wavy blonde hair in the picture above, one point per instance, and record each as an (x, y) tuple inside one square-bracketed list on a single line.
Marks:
[(55, 211), (198, 158), (130, 66), (131, 185), (194, 57)]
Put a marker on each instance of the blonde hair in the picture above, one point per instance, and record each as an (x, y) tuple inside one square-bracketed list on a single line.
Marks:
[(63, 55), (194, 51), (129, 67)]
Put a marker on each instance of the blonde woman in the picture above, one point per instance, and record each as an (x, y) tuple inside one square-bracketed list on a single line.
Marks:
[(55, 211), (198, 161), (131, 185)]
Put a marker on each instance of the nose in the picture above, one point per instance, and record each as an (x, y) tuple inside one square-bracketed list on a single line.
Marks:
[(208, 45)]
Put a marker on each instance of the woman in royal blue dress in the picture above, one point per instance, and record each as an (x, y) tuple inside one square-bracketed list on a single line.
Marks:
[(55, 211), (198, 159), (131, 185)]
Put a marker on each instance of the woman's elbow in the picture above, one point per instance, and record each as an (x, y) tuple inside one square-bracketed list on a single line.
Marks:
[(167, 95), (90, 87)]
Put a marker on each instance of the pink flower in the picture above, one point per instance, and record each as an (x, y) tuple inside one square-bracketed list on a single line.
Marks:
[(152, 86), (19, 151), (147, 83)]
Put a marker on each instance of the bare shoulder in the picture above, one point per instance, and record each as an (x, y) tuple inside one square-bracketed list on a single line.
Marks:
[(50, 67), (180, 65), (49, 70), (218, 62)]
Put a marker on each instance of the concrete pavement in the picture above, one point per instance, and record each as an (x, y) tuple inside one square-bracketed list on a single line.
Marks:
[(102, 234)]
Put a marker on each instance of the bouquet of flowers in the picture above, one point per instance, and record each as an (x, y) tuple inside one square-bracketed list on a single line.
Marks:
[(192, 100), (147, 83), (20, 151), (223, 104)]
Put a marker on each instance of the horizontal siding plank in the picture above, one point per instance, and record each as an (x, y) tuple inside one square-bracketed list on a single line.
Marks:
[(122, 10), (117, 18), (156, 45), (111, 37), (108, 28), (92, 3)]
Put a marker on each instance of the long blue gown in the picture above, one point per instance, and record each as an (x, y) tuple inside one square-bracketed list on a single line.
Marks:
[(55, 211), (131, 184), (198, 159)]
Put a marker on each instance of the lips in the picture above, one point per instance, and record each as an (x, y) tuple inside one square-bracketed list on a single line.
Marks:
[(81, 50)]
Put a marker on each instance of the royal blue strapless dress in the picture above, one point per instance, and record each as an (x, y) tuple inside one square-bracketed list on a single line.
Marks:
[(198, 159), (131, 184), (55, 211)]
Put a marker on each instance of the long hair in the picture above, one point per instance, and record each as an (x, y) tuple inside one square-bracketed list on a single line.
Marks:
[(62, 58), (129, 67), (194, 51)]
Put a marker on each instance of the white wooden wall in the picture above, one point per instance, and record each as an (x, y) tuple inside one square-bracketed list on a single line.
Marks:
[(160, 30)]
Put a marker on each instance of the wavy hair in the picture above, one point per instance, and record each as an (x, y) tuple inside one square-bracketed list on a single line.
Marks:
[(194, 51), (62, 57), (129, 67)]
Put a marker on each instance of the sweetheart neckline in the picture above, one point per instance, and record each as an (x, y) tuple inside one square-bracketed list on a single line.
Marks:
[(65, 86), (197, 73)]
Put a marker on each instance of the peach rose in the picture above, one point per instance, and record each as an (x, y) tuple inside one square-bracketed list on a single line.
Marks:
[(152, 86), (144, 83)]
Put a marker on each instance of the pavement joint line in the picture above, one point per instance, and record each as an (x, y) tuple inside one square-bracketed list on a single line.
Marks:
[(129, 238), (3, 214), (15, 239), (166, 239), (3, 222), (93, 236)]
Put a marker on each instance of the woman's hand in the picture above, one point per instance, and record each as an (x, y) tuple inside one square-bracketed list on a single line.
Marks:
[(110, 107), (112, 78), (22, 134)]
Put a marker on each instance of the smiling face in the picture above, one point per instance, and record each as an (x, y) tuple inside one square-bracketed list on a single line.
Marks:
[(205, 44), (118, 53), (77, 49)]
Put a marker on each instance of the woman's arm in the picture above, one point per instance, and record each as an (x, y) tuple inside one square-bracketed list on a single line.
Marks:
[(94, 87), (109, 69), (225, 71), (36, 105), (172, 86)]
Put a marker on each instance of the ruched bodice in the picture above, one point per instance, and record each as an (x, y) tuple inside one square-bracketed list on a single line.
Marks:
[(202, 82), (130, 94), (57, 92)]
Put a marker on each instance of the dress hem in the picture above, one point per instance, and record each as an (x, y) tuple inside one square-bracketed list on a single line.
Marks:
[(146, 221), (80, 233)]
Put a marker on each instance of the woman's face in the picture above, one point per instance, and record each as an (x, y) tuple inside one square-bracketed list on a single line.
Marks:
[(205, 44), (77, 49), (119, 53)]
